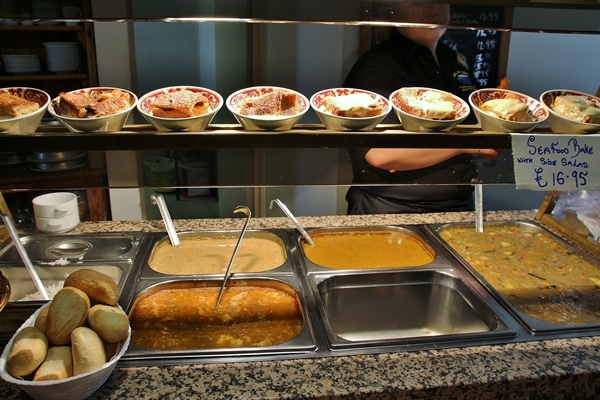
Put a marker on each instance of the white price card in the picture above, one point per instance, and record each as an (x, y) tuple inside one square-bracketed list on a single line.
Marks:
[(556, 162)]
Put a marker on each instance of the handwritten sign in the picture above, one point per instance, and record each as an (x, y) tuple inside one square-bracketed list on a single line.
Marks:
[(556, 162), (480, 47)]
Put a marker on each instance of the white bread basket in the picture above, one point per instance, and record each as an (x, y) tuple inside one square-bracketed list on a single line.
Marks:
[(73, 388)]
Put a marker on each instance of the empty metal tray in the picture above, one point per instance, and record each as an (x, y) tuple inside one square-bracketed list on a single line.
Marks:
[(382, 309)]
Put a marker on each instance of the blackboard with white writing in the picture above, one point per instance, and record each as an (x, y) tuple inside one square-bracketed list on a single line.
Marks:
[(480, 47)]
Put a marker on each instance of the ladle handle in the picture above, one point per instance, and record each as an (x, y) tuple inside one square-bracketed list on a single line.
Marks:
[(478, 207), (248, 213), (23, 253), (159, 200), (291, 216)]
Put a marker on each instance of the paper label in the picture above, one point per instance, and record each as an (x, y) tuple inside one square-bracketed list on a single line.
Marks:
[(556, 162)]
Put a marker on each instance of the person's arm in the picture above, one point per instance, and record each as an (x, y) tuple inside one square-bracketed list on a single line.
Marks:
[(409, 159)]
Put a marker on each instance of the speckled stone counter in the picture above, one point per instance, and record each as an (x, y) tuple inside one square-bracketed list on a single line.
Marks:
[(545, 369)]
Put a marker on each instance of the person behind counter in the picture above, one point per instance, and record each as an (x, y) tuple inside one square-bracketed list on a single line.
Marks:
[(413, 56)]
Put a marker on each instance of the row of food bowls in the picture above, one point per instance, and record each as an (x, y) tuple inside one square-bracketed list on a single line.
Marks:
[(539, 111)]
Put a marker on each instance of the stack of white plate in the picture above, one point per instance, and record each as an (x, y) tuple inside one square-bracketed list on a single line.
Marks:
[(63, 57), (22, 64)]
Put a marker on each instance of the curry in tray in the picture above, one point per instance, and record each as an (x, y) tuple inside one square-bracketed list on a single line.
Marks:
[(539, 275)]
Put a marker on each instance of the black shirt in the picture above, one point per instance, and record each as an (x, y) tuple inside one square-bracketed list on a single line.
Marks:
[(395, 63)]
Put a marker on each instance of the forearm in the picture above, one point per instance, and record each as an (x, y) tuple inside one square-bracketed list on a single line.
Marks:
[(408, 159)]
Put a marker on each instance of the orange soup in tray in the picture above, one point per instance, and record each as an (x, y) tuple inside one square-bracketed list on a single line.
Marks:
[(534, 271), (184, 317), (367, 248)]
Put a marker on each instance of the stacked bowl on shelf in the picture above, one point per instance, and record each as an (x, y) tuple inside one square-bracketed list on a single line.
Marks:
[(22, 64), (63, 57)]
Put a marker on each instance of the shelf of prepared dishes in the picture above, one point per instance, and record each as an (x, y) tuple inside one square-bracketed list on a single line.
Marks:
[(354, 290), (180, 117), (338, 12)]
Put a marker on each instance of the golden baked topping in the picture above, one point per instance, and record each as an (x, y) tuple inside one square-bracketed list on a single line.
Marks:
[(356, 105), (577, 108), (430, 104), (93, 105), (510, 109), (12, 106), (180, 104), (276, 103)]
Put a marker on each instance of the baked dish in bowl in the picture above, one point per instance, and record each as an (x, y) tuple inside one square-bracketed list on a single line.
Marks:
[(22, 109), (96, 109), (267, 107), (421, 109), (572, 111), (504, 110), (180, 108), (349, 109)]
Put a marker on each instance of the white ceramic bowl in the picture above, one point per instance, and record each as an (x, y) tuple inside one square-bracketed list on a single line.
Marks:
[(492, 123), (194, 124), (110, 123), (560, 124), (410, 122), (334, 122), (55, 205), (253, 122), (57, 225), (30, 122), (73, 388)]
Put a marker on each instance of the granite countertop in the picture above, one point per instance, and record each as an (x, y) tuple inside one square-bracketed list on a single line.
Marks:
[(561, 368)]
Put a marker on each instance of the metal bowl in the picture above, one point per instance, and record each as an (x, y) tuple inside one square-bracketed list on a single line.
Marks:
[(55, 156)]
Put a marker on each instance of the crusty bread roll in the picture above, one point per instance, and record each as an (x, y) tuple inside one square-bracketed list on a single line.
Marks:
[(111, 349), (68, 310), (110, 323), (40, 321), (87, 350), (57, 365), (98, 286), (28, 351)]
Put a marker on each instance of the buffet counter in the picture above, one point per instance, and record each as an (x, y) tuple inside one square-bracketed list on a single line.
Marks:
[(562, 368)]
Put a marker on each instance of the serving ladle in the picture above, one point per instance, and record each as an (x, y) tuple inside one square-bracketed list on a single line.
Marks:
[(287, 212), (159, 201), (10, 226), (478, 207), (248, 213)]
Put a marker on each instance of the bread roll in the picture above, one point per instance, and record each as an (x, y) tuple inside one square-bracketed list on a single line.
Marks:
[(57, 365), (40, 321), (110, 323), (28, 351), (111, 349), (98, 286), (87, 350), (68, 310)]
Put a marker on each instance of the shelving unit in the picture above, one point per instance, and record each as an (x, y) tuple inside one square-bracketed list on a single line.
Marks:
[(28, 36), (143, 137)]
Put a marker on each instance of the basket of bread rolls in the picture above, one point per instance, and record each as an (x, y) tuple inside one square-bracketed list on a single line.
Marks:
[(69, 347)]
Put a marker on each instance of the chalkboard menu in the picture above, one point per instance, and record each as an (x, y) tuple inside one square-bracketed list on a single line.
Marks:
[(481, 47)]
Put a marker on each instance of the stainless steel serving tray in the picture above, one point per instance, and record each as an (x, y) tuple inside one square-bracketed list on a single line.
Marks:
[(303, 343), (55, 256), (415, 232), (533, 325), (403, 308), (56, 249), (279, 236)]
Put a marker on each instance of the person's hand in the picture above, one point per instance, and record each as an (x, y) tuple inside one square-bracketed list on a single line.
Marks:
[(487, 154)]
